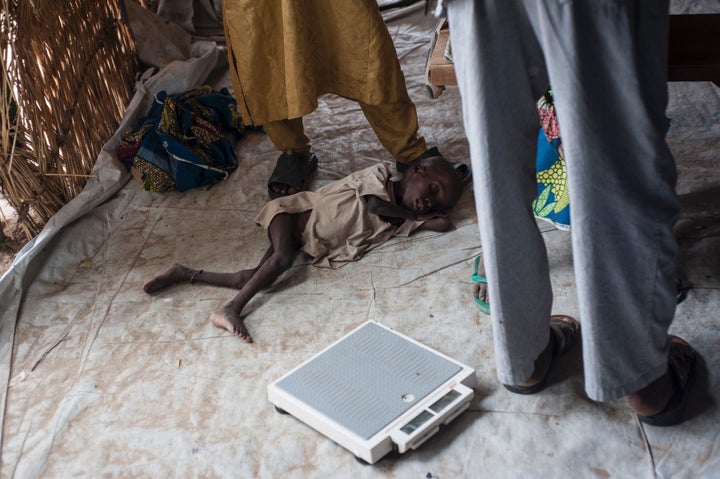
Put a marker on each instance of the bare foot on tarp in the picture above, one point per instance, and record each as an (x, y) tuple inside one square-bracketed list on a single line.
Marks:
[(176, 273), (225, 319)]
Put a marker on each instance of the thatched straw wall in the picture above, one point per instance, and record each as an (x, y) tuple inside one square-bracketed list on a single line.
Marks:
[(68, 68)]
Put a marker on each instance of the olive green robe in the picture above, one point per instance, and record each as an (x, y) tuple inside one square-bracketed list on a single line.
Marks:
[(284, 54)]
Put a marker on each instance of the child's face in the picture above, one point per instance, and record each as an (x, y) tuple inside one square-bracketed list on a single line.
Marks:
[(428, 189)]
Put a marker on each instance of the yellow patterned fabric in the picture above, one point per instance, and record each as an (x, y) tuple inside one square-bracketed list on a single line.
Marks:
[(553, 200), (556, 177), (284, 54), (185, 141)]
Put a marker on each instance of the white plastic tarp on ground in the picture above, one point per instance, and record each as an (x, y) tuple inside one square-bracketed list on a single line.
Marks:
[(100, 379)]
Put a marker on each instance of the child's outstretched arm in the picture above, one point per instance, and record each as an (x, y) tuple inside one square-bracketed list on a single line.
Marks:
[(396, 214), (391, 212)]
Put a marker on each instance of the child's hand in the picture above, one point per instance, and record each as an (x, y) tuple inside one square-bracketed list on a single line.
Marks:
[(438, 223), (430, 215)]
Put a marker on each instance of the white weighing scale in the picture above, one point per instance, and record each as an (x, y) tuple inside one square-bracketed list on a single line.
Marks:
[(374, 391)]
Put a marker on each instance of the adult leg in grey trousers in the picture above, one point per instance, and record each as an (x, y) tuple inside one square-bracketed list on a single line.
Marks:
[(606, 62)]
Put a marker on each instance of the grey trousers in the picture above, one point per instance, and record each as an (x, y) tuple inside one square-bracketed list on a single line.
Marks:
[(606, 62)]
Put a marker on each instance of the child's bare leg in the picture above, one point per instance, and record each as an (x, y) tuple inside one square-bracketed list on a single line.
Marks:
[(178, 273), (283, 250)]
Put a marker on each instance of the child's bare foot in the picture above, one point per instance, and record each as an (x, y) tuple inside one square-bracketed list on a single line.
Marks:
[(225, 319), (177, 273)]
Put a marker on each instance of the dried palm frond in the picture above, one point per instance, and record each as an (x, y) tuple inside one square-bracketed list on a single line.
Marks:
[(67, 75)]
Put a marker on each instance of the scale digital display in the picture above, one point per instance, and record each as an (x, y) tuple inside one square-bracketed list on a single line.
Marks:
[(445, 401), (418, 421)]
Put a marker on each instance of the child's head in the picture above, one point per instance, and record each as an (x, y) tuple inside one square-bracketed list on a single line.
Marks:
[(431, 184)]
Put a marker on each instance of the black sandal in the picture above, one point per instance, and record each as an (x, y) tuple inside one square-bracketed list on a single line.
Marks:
[(564, 333), (683, 363), (293, 170)]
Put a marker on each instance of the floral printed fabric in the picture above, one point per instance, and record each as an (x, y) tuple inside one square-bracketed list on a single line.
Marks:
[(553, 200), (185, 141)]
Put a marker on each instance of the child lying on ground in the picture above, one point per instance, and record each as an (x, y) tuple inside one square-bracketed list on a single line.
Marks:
[(338, 223)]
